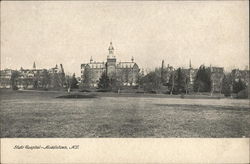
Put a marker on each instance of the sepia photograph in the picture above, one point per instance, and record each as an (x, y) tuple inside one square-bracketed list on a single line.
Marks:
[(124, 69), (124, 82)]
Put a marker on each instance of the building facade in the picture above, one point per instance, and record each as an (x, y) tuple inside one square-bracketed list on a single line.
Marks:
[(33, 78), (5, 78), (125, 72), (243, 75), (190, 74), (217, 74)]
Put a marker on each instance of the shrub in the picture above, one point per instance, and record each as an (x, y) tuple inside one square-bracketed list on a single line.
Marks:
[(243, 94), (77, 96), (153, 92), (15, 87), (103, 90), (139, 92), (84, 90)]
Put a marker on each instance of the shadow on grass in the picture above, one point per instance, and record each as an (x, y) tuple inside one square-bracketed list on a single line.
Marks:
[(77, 96), (193, 107)]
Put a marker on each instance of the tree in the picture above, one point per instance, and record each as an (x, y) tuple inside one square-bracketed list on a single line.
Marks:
[(139, 80), (36, 79), (152, 81), (171, 82), (57, 79), (162, 72), (187, 82), (68, 82), (74, 82), (202, 81), (26, 82), (14, 79), (238, 86), (104, 82), (177, 81), (86, 78), (180, 80), (125, 76), (61, 79), (115, 81), (226, 86), (46, 79)]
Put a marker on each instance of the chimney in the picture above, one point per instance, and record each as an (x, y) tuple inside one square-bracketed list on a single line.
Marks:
[(62, 68)]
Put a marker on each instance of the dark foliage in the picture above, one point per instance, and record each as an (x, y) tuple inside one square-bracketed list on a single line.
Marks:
[(180, 81), (14, 79), (74, 82), (86, 78), (104, 81), (104, 90), (15, 87), (177, 82), (84, 90), (226, 86), (238, 86), (243, 94), (45, 79), (151, 81), (77, 96), (202, 81)]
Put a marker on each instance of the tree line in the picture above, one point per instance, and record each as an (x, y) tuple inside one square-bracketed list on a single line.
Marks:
[(178, 82), (43, 80)]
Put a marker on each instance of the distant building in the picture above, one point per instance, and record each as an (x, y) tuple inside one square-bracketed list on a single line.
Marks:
[(5, 76), (57, 76), (191, 75), (125, 72), (238, 74), (217, 74), (30, 78), (166, 73)]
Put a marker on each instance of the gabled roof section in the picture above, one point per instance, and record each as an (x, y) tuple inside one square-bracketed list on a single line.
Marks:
[(94, 65), (126, 65)]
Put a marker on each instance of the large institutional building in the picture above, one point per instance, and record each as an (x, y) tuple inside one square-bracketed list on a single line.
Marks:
[(125, 72), (29, 78)]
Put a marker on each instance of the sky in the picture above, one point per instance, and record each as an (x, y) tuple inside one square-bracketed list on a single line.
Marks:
[(54, 32)]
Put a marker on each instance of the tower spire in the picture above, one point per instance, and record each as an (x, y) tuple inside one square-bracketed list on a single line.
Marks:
[(91, 59), (111, 49), (190, 65), (34, 65), (162, 64)]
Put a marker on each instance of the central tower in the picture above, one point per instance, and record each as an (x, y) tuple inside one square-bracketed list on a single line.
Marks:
[(111, 61), (111, 51)]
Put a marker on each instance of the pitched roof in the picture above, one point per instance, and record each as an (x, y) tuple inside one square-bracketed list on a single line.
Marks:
[(94, 65), (126, 65)]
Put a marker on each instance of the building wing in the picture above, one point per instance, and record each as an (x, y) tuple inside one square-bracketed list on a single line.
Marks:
[(126, 65)]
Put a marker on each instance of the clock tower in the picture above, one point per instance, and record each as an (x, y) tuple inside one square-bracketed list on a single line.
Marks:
[(111, 61)]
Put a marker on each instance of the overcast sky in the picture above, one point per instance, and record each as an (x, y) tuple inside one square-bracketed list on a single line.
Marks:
[(50, 33)]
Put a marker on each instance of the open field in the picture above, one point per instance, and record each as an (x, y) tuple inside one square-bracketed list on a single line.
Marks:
[(40, 114)]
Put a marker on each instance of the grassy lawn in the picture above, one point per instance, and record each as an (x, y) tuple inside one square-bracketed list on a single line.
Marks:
[(40, 114)]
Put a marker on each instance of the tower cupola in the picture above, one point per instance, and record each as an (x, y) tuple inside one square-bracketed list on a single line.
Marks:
[(111, 49)]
